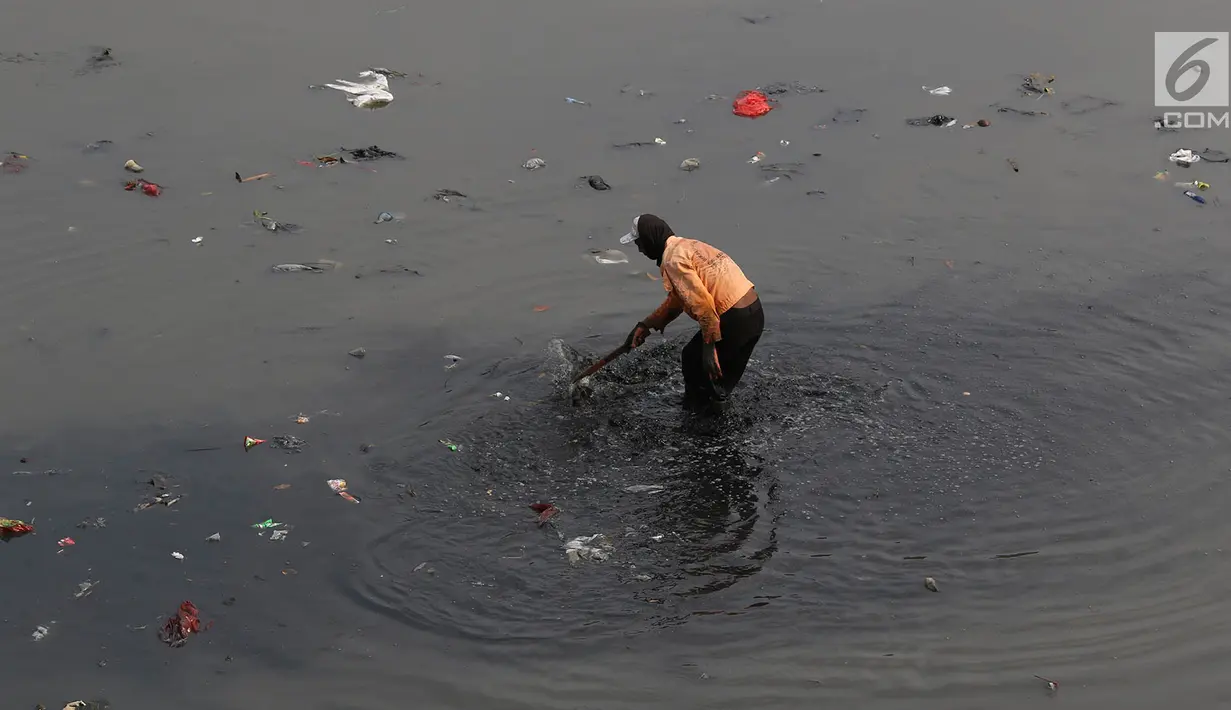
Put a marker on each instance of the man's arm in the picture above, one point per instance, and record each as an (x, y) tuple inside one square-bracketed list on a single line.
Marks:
[(669, 310)]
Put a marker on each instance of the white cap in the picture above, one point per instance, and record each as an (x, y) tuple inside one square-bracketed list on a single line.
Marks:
[(631, 236)]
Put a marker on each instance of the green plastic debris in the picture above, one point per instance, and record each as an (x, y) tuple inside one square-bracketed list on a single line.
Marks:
[(450, 444), (267, 524)]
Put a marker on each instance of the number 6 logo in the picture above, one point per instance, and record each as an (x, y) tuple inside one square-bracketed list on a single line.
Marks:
[(1182, 65)]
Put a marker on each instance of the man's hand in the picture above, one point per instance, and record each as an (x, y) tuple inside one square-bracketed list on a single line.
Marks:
[(636, 338), (709, 360)]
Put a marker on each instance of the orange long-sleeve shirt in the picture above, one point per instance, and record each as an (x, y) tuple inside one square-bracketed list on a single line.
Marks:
[(701, 281)]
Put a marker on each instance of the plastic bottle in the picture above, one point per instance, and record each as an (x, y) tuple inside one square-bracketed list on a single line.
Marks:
[(1194, 196)]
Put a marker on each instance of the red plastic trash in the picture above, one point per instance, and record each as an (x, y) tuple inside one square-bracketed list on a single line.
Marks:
[(751, 104)]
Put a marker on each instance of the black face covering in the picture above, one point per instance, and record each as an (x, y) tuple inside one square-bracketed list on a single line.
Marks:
[(652, 235)]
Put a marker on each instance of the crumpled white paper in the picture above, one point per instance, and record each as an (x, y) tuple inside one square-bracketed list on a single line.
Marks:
[(371, 91), (938, 91)]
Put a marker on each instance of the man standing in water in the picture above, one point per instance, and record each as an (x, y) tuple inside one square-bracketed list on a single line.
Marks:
[(707, 285)]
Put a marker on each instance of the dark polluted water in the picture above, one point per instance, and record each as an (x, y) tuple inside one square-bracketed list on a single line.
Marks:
[(994, 358)]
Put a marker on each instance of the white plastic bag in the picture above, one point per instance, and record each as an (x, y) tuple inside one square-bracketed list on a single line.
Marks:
[(371, 91)]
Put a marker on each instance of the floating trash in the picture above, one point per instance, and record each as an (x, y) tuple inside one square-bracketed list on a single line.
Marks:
[(185, 622), (1037, 84), (595, 548), (14, 528), (338, 485), (288, 443), (938, 90), (596, 182), (1184, 157), (147, 187), (272, 224), (936, 120), (534, 164), (372, 152), (132, 167), (267, 524), (930, 584), (14, 162), (371, 91), (751, 104), (690, 164), (318, 267), (611, 256), (546, 512), (250, 442), (654, 488)]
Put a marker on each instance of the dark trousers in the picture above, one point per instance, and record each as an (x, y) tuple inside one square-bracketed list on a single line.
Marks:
[(741, 329)]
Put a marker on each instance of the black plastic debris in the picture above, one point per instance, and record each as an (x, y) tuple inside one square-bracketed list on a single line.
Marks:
[(1214, 156), (757, 20), (399, 270), (790, 87), (785, 169), (390, 73), (815, 193), (445, 194), (1085, 104), (634, 144), (1020, 112), (19, 58), (1163, 123), (101, 58), (288, 443), (97, 146), (937, 120), (372, 152), (848, 115), (596, 182)]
